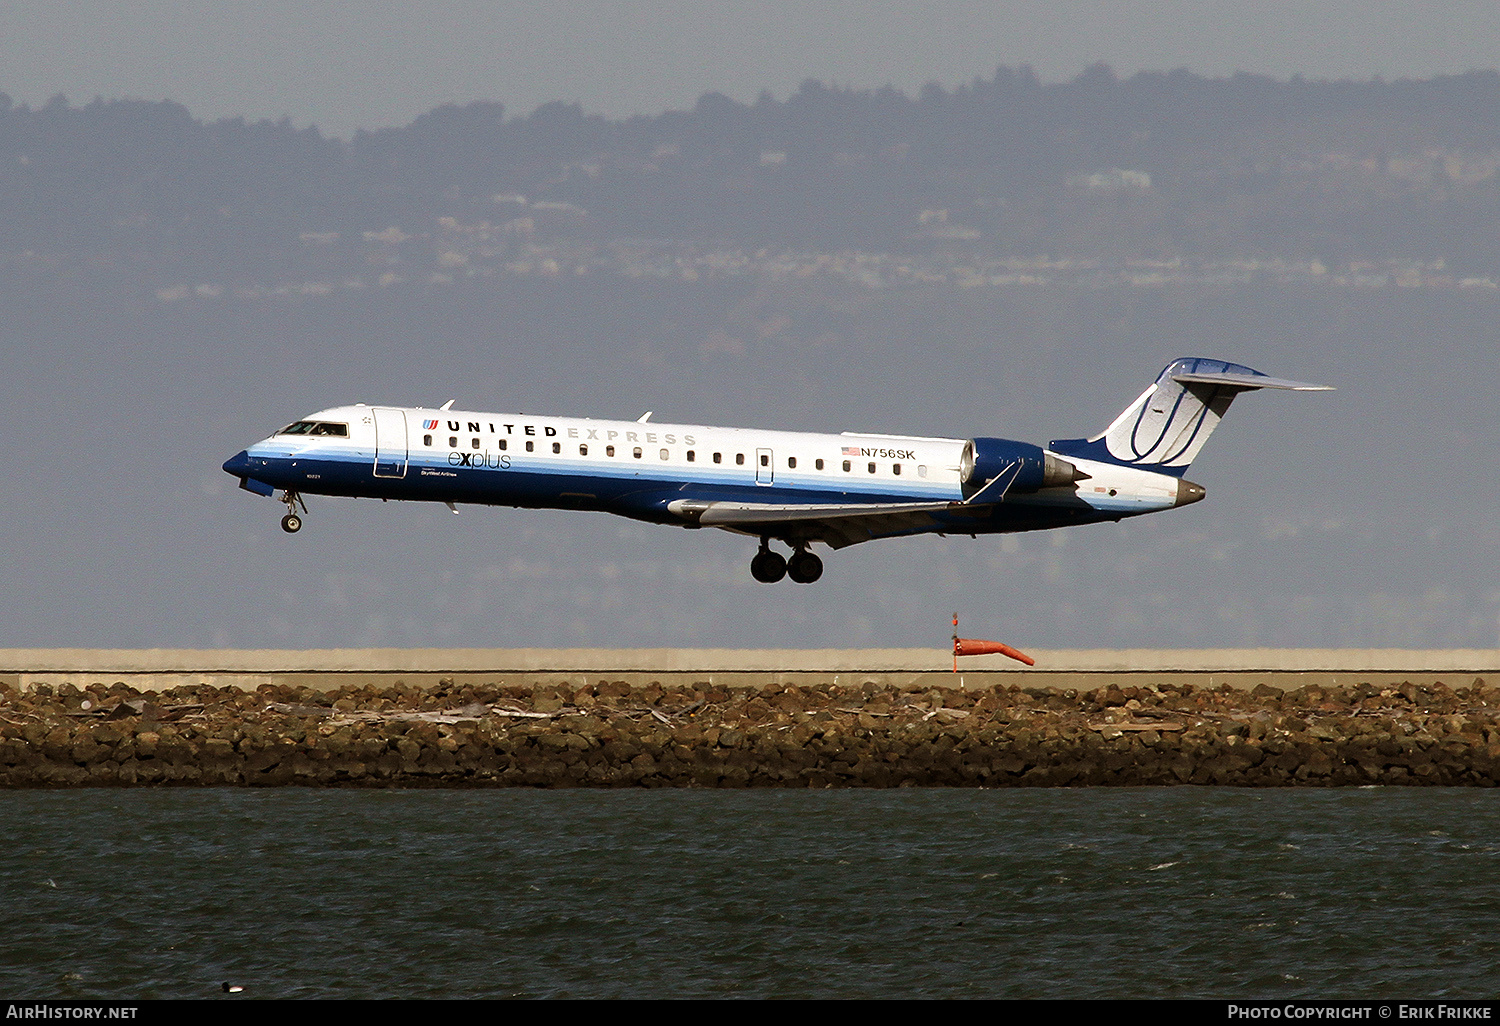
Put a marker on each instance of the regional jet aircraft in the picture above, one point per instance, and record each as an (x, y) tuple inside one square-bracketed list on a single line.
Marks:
[(794, 488)]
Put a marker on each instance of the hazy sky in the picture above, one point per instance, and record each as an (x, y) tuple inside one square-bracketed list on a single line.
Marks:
[(348, 64), (1359, 518)]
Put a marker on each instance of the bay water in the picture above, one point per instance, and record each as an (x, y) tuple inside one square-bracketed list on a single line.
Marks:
[(1067, 893)]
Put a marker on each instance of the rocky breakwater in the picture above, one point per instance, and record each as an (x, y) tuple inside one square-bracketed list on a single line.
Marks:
[(609, 734)]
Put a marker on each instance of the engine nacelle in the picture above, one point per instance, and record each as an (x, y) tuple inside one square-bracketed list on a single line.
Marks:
[(985, 458)]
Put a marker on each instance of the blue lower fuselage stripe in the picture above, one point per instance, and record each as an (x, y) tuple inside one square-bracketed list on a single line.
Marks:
[(641, 491)]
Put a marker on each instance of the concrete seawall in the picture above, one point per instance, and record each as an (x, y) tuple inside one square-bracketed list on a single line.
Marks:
[(1060, 669)]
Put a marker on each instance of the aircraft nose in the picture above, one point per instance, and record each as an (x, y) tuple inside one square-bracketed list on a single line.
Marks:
[(239, 464)]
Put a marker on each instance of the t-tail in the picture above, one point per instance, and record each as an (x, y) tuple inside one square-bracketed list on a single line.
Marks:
[(1164, 429)]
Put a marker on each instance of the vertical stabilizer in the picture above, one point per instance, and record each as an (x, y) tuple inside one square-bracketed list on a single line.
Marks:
[(1164, 429)]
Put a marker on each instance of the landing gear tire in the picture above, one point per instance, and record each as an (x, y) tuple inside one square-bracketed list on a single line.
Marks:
[(292, 523), (804, 567), (768, 567)]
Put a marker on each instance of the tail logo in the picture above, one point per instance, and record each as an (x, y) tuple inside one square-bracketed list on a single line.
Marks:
[(1166, 427)]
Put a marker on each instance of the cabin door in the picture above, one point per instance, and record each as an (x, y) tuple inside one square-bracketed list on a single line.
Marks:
[(390, 443), (765, 466)]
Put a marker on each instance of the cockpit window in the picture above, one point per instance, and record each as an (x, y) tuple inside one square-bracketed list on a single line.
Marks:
[(316, 427)]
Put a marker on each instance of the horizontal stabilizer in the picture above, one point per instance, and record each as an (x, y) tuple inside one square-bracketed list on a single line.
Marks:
[(1246, 382)]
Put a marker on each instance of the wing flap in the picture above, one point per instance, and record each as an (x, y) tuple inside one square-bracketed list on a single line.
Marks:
[(727, 514), (835, 524), (846, 531)]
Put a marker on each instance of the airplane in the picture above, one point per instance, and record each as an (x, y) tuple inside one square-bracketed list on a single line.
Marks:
[(795, 488)]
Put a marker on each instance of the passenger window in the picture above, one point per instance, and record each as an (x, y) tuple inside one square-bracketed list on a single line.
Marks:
[(453, 442), (475, 443), (791, 462), (690, 455), (818, 464), (718, 457), (872, 468), (637, 452), (426, 439), (765, 460), (896, 469), (557, 447), (609, 450), (531, 447), (739, 458), (846, 466), (502, 443), (583, 450), (921, 470), (665, 454)]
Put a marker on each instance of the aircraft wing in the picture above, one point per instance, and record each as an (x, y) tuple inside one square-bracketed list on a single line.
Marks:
[(723, 514), (837, 524)]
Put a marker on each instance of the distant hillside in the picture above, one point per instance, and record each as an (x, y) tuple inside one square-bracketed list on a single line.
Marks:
[(1157, 167)]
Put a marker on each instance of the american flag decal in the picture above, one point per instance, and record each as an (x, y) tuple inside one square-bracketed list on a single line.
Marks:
[(851, 450)]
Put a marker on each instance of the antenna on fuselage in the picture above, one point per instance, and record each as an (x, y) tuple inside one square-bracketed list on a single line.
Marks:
[(448, 405), (644, 417)]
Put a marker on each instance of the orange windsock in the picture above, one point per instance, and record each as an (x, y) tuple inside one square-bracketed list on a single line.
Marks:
[(971, 646)]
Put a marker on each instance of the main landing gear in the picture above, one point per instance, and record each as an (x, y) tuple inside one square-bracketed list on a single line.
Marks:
[(769, 567), (292, 523)]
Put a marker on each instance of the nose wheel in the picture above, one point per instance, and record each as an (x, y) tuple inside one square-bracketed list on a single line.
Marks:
[(292, 523)]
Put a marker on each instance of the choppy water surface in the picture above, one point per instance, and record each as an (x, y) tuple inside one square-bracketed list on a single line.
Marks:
[(1056, 893)]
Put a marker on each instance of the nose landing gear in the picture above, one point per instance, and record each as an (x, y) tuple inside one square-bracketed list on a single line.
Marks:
[(292, 523), (769, 567)]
